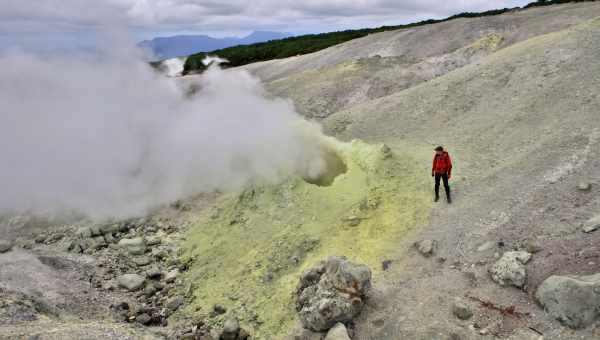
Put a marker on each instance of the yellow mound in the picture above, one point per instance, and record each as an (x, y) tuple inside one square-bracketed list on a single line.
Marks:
[(247, 252)]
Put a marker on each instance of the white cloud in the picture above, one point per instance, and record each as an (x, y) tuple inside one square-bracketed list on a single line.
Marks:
[(72, 17)]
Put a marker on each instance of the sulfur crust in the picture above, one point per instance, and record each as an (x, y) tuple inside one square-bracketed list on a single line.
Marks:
[(249, 250)]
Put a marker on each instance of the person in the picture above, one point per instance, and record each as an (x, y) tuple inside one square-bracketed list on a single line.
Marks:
[(442, 170)]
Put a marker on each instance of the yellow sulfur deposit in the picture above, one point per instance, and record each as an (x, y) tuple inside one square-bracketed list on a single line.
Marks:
[(248, 251)]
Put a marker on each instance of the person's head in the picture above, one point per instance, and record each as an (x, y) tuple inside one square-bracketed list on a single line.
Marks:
[(439, 150)]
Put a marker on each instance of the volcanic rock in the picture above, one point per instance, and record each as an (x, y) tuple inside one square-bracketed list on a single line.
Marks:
[(592, 224), (338, 332), (131, 282), (5, 246), (461, 310), (331, 292), (231, 329), (572, 300), (171, 276), (142, 261), (174, 303), (84, 232), (143, 318), (426, 247), (135, 246), (584, 186), (510, 269)]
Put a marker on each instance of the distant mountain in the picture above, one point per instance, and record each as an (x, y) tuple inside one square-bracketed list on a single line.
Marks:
[(183, 45)]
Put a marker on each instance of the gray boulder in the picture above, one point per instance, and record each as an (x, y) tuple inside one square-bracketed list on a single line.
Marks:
[(110, 228), (134, 246), (510, 269), (131, 282), (592, 224), (338, 332), (153, 241), (95, 230), (173, 304), (109, 238), (97, 242), (489, 245), (84, 232), (5, 246), (143, 319), (426, 247), (461, 310), (142, 261), (231, 329), (584, 186), (572, 300), (301, 333), (171, 276), (331, 292)]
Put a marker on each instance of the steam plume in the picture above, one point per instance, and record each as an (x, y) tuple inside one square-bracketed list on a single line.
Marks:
[(114, 139)]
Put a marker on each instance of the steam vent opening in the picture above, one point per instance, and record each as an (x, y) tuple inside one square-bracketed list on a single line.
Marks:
[(335, 166)]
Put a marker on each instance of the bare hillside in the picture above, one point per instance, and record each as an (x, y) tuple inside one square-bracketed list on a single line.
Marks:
[(524, 128), (381, 64), (518, 109)]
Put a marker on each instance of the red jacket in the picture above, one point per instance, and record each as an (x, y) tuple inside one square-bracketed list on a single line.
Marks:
[(442, 164)]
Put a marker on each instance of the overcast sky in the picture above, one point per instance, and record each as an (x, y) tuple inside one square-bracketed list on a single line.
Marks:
[(65, 25)]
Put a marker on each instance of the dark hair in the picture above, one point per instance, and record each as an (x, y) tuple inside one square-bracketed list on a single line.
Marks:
[(439, 148)]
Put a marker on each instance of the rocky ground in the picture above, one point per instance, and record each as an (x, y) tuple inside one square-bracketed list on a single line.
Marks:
[(81, 281), (521, 121), (517, 256)]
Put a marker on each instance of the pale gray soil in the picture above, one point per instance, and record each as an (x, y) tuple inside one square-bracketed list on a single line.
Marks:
[(523, 125), (385, 63)]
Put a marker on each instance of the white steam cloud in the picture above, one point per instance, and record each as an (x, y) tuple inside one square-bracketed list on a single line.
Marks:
[(114, 139), (173, 67), (213, 59)]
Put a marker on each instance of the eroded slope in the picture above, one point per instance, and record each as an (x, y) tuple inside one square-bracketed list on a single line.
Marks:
[(381, 64)]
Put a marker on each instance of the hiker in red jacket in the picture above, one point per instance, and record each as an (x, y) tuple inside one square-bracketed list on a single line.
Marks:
[(442, 169)]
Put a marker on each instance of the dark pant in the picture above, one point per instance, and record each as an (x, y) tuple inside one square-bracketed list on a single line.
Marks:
[(443, 177)]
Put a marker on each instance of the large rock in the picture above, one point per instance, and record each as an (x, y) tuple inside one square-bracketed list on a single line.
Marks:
[(333, 291), (5, 246), (461, 310), (573, 300), (489, 245), (584, 186), (174, 303), (142, 261), (301, 333), (231, 329), (84, 232), (171, 276), (135, 246), (510, 269), (131, 282), (338, 332), (592, 224), (110, 228), (426, 247)]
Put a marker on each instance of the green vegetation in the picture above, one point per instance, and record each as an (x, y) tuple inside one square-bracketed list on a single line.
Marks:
[(289, 47), (248, 252), (553, 2)]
